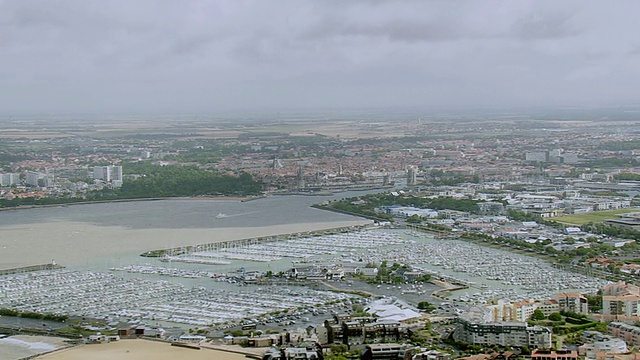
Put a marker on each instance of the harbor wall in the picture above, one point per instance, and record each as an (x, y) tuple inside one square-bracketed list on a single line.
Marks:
[(191, 248), (31, 268)]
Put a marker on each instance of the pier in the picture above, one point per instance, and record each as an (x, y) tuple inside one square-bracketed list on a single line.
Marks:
[(32, 268), (296, 247), (227, 246)]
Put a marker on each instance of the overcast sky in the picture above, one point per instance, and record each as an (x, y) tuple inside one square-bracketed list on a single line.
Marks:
[(206, 56)]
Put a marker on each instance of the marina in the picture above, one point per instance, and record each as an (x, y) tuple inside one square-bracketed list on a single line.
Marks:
[(143, 296), (494, 273), (489, 273), (200, 285), (279, 248), (195, 285), (106, 296)]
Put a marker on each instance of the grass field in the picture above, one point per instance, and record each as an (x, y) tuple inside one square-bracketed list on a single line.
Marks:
[(595, 216)]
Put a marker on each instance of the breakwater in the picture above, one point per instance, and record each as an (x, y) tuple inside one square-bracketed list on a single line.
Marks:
[(214, 246), (32, 268)]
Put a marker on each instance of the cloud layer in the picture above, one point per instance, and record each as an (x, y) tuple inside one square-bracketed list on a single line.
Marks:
[(159, 56)]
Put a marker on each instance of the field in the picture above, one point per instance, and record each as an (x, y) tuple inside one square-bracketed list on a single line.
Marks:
[(596, 216)]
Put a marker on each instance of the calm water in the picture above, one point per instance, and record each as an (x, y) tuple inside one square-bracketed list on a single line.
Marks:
[(92, 234), (181, 214)]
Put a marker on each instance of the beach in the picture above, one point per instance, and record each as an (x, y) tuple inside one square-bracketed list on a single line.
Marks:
[(138, 350), (20, 346)]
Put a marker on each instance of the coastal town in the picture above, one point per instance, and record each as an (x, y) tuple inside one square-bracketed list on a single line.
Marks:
[(514, 239), (319, 180)]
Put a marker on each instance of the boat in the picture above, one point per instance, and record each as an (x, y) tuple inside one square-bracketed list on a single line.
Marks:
[(221, 216)]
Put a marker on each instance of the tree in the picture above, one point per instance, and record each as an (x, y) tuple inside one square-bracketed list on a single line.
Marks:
[(595, 302), (538, 315), (338, 349), (555, 316), (426, 306)]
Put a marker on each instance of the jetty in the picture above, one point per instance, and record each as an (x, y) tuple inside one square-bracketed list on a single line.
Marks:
[(236, 249), (32, 268)]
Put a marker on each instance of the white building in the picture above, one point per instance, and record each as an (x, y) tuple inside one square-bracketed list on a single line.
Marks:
[(601, 343), (388, 310), (111, 173), (412, 175), (33, 177), (539, 156), (8, 179), (408, 211), (476, 327), (368, 271), (570, 158)]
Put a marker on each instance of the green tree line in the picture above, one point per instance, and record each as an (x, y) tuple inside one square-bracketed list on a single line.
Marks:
[(170, 181), (159, 181)]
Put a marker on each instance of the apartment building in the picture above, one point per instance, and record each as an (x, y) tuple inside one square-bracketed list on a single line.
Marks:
[(629, 333), (548, 306), (518, 311), (8, 179), (473, 327), (621, 302), (572, 302), (112, 174)]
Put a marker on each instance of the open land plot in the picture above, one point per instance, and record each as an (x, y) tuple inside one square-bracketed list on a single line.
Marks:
[(361, 126), (208, 128), (596, 216), (138, 350)]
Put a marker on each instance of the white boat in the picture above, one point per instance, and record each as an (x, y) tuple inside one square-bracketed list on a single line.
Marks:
[(221, 216)]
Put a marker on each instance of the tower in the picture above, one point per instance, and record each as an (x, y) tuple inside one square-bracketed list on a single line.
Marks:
[(412, 175), (300, 178)]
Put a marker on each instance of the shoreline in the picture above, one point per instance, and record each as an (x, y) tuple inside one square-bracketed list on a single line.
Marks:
[(26, 346), (447, 288)]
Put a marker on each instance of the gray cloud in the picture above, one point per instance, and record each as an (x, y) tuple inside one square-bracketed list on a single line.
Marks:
[(202, 56), (395, 30), (554, 26), (190, 45)]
